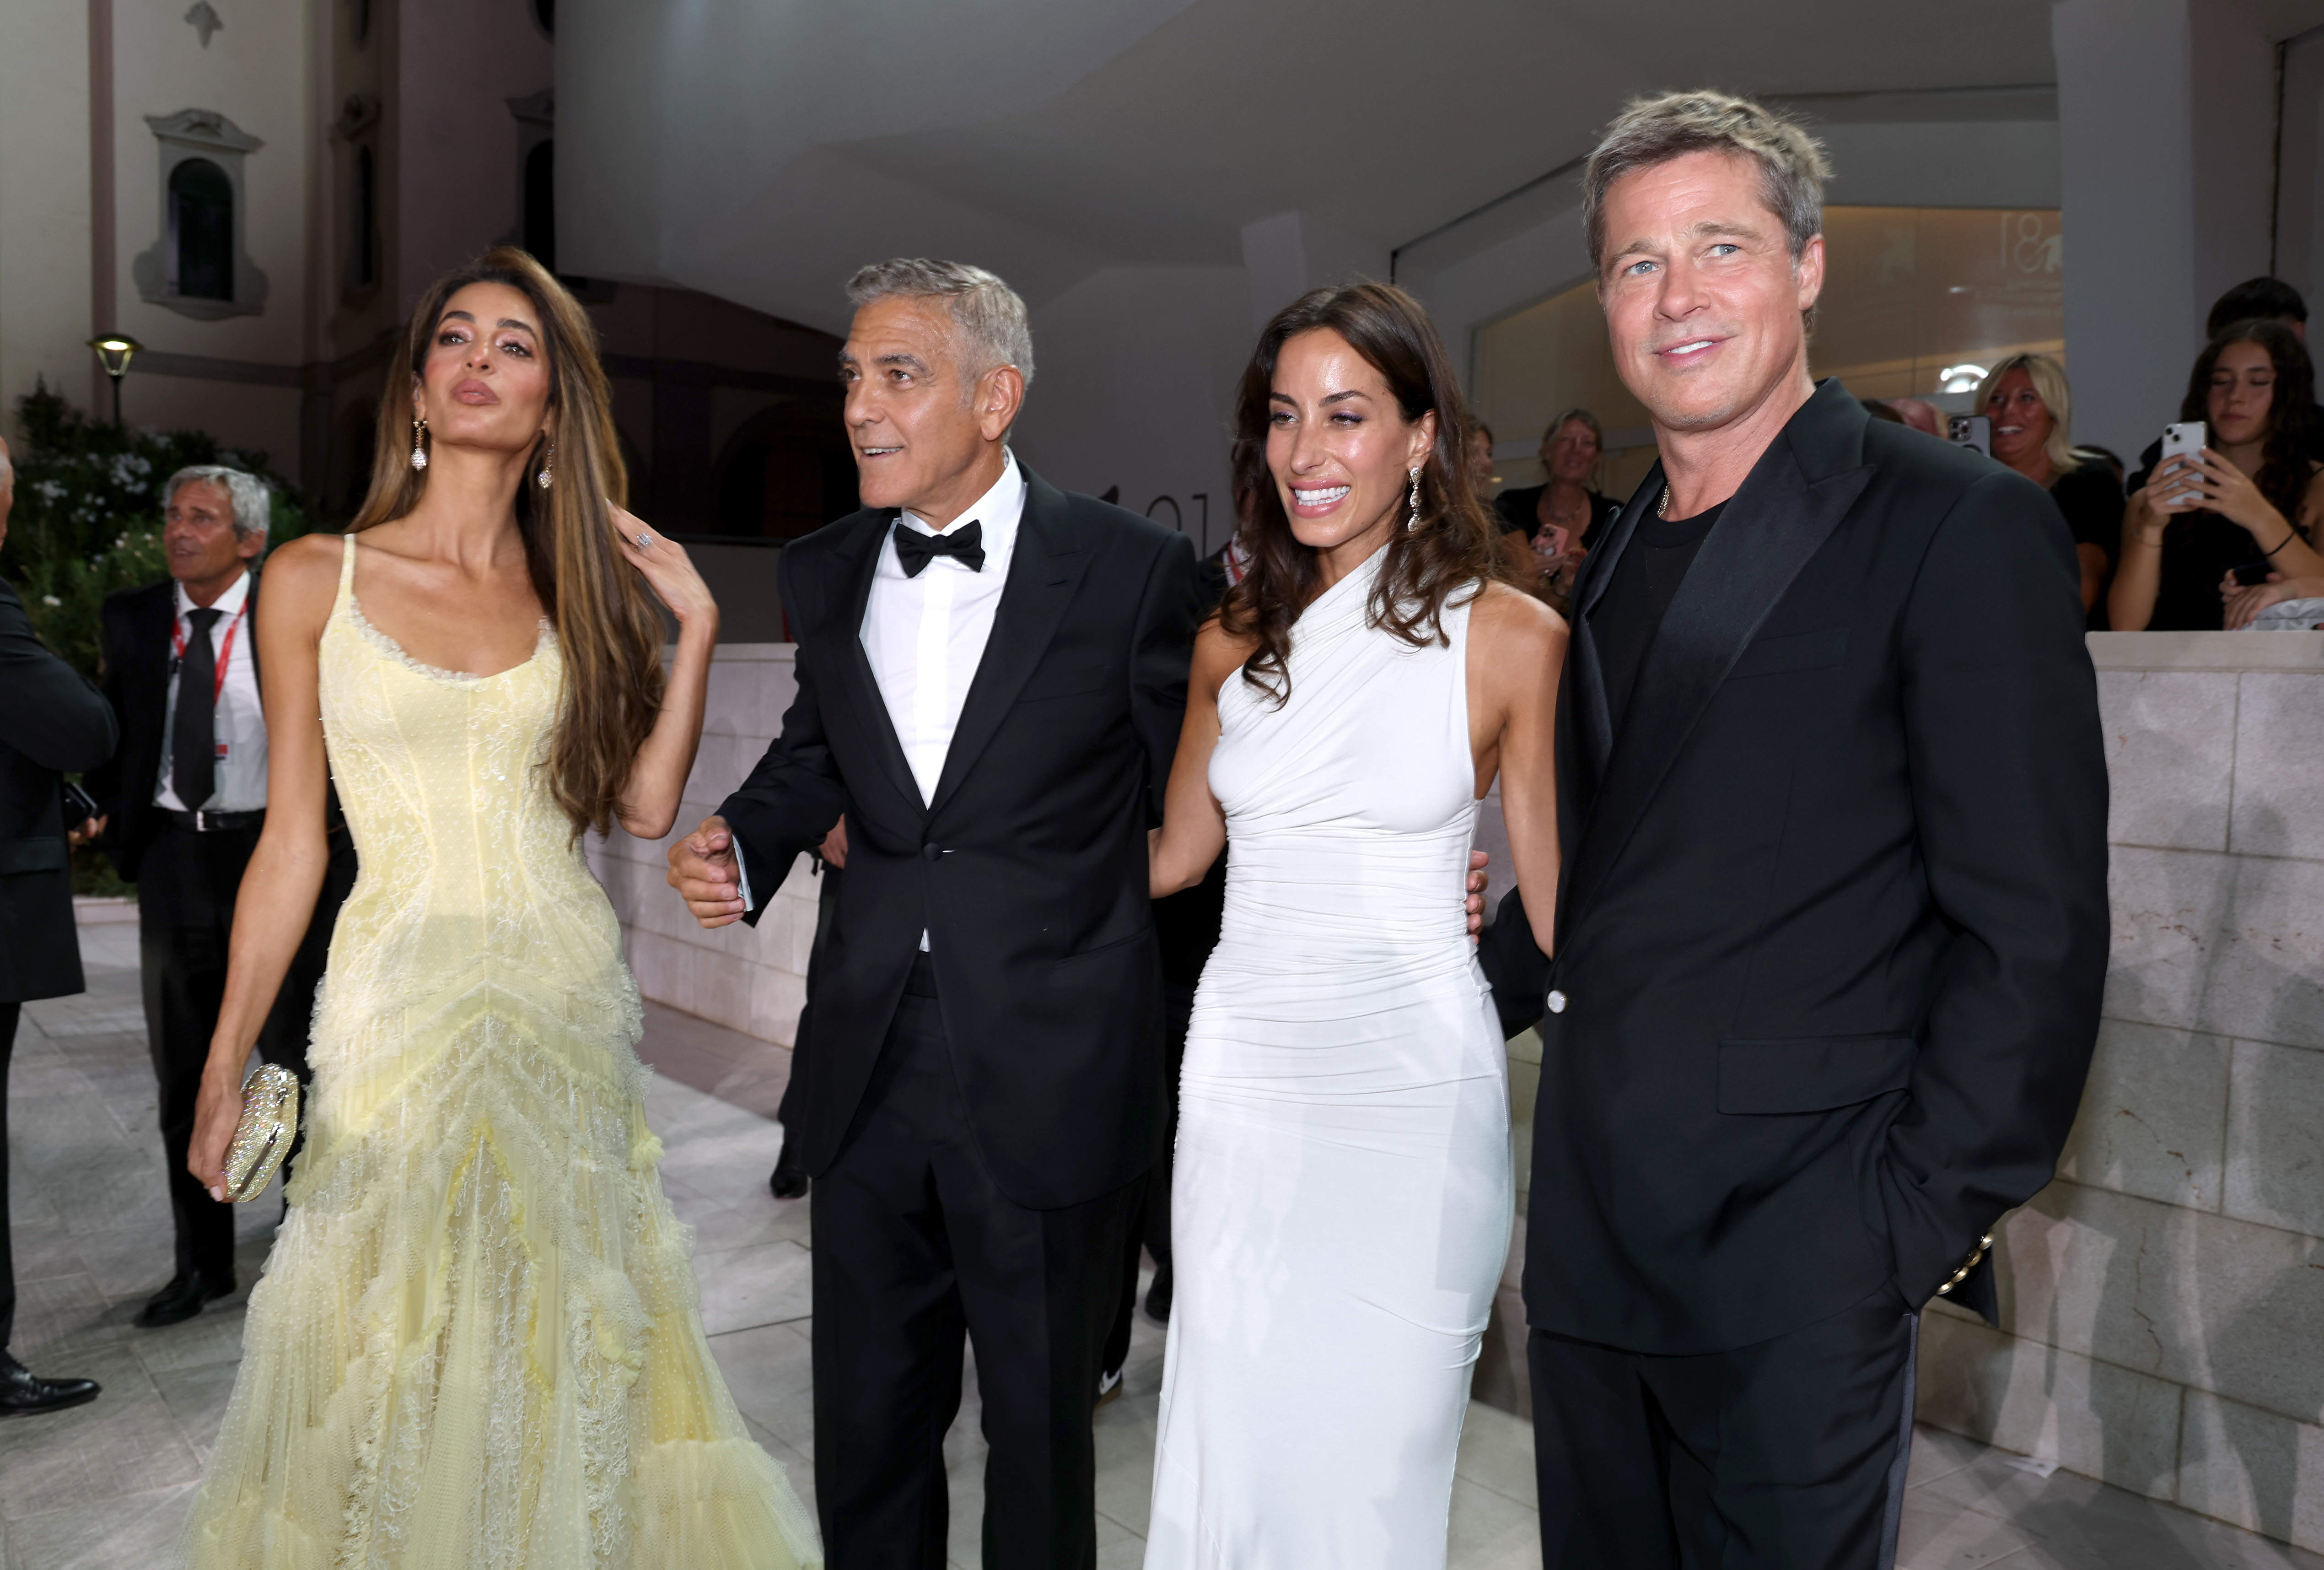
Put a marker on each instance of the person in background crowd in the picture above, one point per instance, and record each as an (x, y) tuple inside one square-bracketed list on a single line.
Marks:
[(184, 800), (1881, 411), (1481, 458), (1921, 415), (51, 722), (1548, 529), (2246, 505), (2259, 299), (2031, 406)]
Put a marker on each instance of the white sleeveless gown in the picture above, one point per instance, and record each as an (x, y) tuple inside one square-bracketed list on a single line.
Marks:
[(1341, 1202)]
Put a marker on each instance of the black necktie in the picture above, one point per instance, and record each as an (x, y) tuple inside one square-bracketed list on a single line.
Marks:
[(193, 732), (916, 549)]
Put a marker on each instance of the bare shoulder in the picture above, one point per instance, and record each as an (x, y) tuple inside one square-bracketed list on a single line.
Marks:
[(1217, 656), (303, 578), (1514, 624)]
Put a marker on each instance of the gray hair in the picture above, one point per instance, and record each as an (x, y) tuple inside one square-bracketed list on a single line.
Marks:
[(252, 502), (1655, 131), (990, 327)]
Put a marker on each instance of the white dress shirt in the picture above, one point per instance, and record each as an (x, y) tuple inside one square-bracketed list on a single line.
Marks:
[(924, 636), (240, 724)]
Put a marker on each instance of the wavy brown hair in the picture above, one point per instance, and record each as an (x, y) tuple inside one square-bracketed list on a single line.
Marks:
[(1445, 560), (2284, 469), (608, 633)]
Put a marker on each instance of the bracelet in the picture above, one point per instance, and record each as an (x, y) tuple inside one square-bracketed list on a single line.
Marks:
[(2287, 539)]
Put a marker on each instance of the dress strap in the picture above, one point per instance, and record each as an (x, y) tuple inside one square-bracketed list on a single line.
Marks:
[(346, 576)]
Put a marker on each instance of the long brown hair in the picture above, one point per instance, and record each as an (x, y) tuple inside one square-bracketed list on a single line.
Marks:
[(2285, 468), (1455, 546), (607, 631)]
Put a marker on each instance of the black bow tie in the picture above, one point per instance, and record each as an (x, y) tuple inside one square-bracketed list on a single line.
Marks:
[(914, 549)]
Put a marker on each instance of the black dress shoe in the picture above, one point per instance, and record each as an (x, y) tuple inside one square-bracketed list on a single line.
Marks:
[(182, 1300), (23, 1393), (789, 1179), (1157, 1296)]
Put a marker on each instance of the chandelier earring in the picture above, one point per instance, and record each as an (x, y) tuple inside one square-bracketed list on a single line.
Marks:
[(1412, 518), (419, 442), (548, 467)]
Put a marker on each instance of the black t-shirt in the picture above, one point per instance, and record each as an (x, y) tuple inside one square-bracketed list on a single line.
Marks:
[(2198, 549), (2091, 500), (1645, 581)]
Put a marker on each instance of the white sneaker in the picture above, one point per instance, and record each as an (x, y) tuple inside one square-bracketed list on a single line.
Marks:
[(1109, 1386)]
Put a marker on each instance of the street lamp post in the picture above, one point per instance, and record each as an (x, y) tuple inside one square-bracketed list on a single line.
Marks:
[(113, 352)]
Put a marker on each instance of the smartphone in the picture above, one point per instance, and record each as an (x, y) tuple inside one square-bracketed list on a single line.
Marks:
[(1550, 541), (2253, 573), (80, 805), (2184, 439), (1971, 430)]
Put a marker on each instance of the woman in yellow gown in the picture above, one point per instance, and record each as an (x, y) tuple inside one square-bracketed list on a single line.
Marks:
[(476, 1343)]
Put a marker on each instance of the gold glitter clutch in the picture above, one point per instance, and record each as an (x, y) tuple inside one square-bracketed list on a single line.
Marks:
[(269, 1122)]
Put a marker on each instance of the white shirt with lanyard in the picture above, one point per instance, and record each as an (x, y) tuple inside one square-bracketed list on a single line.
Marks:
[(240, 726)]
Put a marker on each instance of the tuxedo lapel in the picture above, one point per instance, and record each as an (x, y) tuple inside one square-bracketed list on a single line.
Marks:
[(1776, 522), (1043, 572), (1593, 716), (857, 563)]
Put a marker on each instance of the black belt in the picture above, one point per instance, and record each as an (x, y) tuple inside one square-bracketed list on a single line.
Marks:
[(921, 982), (215, 822)]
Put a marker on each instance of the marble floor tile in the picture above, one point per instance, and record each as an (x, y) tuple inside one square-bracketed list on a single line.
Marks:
[(127, 1533), (109, 1484)]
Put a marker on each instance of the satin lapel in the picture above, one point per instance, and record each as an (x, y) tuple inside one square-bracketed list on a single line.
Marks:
[(859, 562), (1774, 525), (1593, 720), (1043, 573)]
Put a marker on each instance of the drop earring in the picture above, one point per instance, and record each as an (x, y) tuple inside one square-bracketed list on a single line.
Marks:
[(548, 465), (419, 443), (1412, 519)]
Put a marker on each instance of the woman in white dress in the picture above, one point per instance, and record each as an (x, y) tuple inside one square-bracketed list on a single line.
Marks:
[(1343, 1194)]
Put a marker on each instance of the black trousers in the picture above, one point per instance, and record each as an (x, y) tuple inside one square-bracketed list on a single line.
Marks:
[(8, 1017), (186, 890), (1785, 1456), (916, 1248), (1151, 1234)]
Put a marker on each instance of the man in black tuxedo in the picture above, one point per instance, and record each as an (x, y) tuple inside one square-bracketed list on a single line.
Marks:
[(52, 721), (184, 800), (1832, 926), (992, 677)]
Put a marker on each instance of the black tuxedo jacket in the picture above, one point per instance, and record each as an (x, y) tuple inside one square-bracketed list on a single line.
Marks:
[(52, 722), (136, 641), (1832, 923), (1027, 870)]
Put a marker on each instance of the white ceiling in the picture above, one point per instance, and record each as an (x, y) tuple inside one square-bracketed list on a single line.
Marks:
[(761, 149)]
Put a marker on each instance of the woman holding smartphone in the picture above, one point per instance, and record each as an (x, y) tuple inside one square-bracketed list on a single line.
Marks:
[(2245, 507)]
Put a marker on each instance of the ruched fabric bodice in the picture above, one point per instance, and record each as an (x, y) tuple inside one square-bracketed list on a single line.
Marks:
[(1342, 1197), (476, 1343)]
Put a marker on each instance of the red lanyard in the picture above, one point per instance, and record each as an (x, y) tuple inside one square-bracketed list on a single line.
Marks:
[(225, 648)]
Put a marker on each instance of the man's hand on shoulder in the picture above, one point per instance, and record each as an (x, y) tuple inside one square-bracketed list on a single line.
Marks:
[(705, 871)]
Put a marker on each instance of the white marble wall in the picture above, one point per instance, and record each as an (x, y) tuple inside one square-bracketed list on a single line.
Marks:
[(2164, 1301), (752, 979)]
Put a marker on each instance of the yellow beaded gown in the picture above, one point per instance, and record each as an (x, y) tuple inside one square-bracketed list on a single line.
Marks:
[(476, 1343)]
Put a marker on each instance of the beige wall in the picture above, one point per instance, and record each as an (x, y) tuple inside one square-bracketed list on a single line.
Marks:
[(2163, 1302), (44, 268)]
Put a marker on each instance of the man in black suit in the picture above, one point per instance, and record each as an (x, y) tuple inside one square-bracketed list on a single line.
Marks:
[(991, 676), (184, 800), (1832, 926), (52, 721)]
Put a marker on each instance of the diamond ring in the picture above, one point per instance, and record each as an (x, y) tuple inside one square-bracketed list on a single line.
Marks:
[(644, 540)]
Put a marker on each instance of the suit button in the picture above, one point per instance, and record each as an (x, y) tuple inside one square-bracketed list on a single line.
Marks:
[(931, 852), (1557, 1003)]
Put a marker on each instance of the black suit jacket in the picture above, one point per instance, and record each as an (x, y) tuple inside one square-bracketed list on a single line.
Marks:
[(1832, 926), (136, 633), (1028, 869), (52, 722)]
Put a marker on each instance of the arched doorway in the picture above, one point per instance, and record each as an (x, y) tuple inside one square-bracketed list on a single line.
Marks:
[(786, 473)]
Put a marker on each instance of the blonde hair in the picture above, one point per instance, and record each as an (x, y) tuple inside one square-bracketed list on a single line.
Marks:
[(2049, 379), (608, 634)]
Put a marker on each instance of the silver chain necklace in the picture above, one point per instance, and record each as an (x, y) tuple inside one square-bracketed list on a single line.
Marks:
[(1662, 508)]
